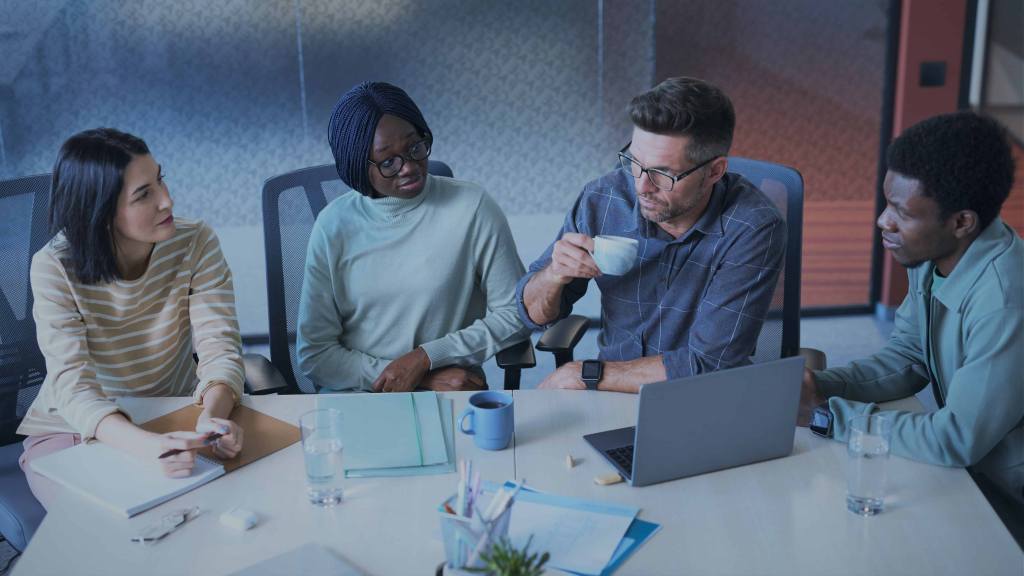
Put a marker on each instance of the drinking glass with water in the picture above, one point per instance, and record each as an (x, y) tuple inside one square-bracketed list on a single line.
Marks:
[(322, 449), (867, 459)]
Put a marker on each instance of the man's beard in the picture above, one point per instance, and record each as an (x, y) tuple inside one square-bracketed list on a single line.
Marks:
[(661, 214)]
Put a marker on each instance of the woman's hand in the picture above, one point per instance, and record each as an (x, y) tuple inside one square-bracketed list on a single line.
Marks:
[(218, 401), (179, 465), (404, 373), (230, 443), (453, 379), (116, 430)]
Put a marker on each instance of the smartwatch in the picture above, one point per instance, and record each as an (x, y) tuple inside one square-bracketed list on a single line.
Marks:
[(821, 420), (591, 373)]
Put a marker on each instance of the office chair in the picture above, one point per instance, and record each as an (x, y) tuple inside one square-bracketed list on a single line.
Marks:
[(291, 203), (784, 186), (22, 367), (780, 333)]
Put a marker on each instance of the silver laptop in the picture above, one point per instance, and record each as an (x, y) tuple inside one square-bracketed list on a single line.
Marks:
[(704, 423)]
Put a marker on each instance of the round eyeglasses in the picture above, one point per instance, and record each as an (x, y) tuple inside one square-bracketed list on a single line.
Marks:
[(660, 179), (392, 166)]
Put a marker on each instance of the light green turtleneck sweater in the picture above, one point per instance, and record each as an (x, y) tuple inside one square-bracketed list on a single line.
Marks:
[(386, 275)]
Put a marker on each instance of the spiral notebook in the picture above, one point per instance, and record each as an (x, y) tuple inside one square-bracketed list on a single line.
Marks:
[(118, 480)]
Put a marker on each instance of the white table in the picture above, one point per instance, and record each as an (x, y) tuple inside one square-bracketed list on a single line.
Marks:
[(785, 516), (385, 526)]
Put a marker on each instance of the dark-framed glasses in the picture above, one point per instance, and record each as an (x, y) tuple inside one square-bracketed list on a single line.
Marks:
[(392, 166), (659, 178)]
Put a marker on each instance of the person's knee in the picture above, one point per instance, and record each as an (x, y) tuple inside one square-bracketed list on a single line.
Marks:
[(44, 489)]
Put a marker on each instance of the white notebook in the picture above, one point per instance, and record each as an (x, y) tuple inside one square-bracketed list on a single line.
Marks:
[(119, 480)]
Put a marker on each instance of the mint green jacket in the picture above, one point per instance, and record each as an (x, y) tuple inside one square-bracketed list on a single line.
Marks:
[(975, 357)]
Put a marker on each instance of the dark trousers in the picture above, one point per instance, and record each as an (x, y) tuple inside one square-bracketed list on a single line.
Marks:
[(1011, 512)]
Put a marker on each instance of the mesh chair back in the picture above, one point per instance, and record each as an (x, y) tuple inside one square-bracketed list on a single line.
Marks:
[(23, 231), (291, 203), (780, 335)]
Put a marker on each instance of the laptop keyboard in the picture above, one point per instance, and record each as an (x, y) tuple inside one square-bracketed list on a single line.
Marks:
[(622, 456)]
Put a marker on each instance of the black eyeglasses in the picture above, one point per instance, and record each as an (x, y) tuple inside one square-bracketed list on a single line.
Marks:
[(392, 166), (659, 178)]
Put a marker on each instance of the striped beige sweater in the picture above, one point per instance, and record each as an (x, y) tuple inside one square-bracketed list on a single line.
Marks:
[(133, 338)]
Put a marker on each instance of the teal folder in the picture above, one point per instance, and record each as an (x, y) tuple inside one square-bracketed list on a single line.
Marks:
[(447, 467), (389, 430)]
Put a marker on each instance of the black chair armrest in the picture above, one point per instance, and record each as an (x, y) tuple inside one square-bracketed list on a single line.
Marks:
[(564, 335), (261, 377), (517, 356), (562, 338)]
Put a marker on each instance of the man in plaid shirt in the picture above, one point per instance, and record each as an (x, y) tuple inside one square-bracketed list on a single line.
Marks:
[(710, 249)]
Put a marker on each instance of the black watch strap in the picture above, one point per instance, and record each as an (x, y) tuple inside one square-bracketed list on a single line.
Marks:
[(591, 373), (822, 420)]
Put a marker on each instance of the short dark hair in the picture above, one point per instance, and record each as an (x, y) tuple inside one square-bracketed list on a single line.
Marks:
[(689, 107), (963, 160), (354, 122), (87, 180)]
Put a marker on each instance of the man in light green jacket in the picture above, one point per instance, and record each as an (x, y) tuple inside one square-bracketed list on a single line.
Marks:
[(961, 326)]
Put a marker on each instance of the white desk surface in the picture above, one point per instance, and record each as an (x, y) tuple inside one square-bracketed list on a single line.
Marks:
[(786, 516), (385, 525)]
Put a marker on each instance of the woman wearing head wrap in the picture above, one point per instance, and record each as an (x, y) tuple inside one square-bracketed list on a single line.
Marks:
[(410, 278)]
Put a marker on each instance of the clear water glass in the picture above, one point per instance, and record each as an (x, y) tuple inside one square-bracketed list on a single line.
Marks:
[(867, 460), (322, 449)]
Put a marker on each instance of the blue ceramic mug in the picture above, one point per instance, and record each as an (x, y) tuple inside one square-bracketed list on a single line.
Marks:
[(489, 419)]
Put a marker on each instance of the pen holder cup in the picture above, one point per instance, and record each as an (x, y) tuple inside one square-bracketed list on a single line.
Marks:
[(466, 539)]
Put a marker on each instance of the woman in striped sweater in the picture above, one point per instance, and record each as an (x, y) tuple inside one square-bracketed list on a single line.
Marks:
[(120, 293)]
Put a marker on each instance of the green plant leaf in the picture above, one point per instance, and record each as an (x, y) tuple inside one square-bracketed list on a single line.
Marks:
[(504, 559)]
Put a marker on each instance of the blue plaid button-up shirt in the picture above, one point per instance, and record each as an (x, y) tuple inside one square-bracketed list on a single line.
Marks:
[(698, 300)]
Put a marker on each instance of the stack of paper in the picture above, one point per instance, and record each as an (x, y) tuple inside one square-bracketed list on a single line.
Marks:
[(395, 434), (582, 537)]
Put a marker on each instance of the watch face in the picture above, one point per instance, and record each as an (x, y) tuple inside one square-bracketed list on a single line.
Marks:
[(819, 420), (591, 370)]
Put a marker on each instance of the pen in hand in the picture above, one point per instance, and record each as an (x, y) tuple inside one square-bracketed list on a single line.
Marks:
[(209, 440)]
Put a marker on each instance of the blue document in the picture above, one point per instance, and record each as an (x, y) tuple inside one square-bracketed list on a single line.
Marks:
[(639, 531), (389, 430)]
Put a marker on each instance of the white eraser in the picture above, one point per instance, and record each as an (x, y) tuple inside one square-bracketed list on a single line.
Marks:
[(239, 518)]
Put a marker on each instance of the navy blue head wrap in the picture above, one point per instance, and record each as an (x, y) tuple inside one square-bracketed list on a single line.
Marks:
[(354, 122)]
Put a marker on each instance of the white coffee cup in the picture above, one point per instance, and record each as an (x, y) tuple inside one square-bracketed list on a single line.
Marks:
[(615, 255)]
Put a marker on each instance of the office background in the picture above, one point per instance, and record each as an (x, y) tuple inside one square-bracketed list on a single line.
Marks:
[(525, 97)]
